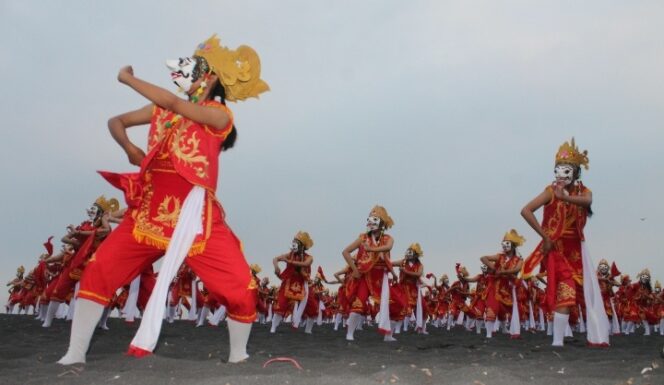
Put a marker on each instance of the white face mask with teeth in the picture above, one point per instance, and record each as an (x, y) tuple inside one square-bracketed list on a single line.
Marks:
[(295, 246), (507, 246), (564, 174), (93, 212), (373, 223)]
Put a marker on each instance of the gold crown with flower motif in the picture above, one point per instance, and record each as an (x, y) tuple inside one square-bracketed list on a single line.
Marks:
[(514, 237), (658, 285), (380, 212), (108, 205), (238, 70), (603, 262), (644, 272), (305, 239), (255, 268), (20, 270), (417, 249), (568, 153)]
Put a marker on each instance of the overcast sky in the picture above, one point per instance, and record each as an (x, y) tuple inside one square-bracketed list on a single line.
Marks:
[(449, 114)]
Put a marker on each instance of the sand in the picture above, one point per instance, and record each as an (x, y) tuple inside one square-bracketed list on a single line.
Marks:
[(188, 355)]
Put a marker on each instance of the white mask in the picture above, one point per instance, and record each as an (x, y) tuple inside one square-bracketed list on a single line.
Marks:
[(484, 268), (93, 211), (410, 254), (182, 72), (295, 246), (507, 246), (564, 174), (644, 279), (373, 223), (603, 269)]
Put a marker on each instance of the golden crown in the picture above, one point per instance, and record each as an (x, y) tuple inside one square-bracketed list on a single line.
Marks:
[(380, 212), (644, 272), (305, 239), (255, 268), (417, 249), (603, 262), (20, 270), (569, 153), (238, 70), (108, 205), (658, 285), (514, 237)]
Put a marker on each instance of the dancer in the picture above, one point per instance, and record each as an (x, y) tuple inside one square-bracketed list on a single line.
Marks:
[(294, 289), (501, 291), (370, 269), (177, 212), (570, 272)]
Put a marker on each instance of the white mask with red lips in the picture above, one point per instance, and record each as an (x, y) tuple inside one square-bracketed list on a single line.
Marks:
[(182, 72)]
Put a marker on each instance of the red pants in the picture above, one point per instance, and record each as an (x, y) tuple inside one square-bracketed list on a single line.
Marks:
[(221, 267)]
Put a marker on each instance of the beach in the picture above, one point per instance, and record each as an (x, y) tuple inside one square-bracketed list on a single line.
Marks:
[(189, 355)]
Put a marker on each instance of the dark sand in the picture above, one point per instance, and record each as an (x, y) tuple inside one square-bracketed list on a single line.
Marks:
[(188, 355)]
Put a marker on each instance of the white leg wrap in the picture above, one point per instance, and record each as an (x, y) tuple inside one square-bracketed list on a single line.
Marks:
[(86, 316), (238, 335)]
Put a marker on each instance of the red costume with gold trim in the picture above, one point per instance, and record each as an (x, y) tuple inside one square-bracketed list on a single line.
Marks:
[(499, 297), (478, 304), (293, 280), (409, 286), (458, 293), (372, 265), (640, 304), (564, 223), (180, 155)]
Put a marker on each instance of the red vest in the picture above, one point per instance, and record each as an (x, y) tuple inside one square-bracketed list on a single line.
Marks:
[(192, 148)]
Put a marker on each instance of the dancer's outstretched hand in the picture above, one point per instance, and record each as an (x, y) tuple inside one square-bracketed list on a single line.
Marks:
[(135, 154), (125, 73)]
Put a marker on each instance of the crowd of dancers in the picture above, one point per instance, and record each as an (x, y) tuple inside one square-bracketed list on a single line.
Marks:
[(494, 300), (172, 212)]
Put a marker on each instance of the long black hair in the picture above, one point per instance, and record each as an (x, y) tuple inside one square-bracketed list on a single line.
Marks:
[(577, 176), (219, 92)]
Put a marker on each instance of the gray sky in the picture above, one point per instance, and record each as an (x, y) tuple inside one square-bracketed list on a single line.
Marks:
[(447, 113)]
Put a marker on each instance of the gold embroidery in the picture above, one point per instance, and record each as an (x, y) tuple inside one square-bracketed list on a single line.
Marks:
[(165, 215), (565, 293), (187, 150), (160, 128)]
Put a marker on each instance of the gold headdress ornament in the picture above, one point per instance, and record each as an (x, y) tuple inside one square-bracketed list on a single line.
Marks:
[(658, 285), (417, 249), (514, 237), (443, 277), (255, 268), (569, 153), (380, 212), (20, 270), (603, 262), (644, 272), (108, 205), (305, 239), (238, 70)]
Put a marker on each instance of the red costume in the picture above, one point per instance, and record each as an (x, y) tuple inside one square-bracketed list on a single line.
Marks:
[(181, 154)]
